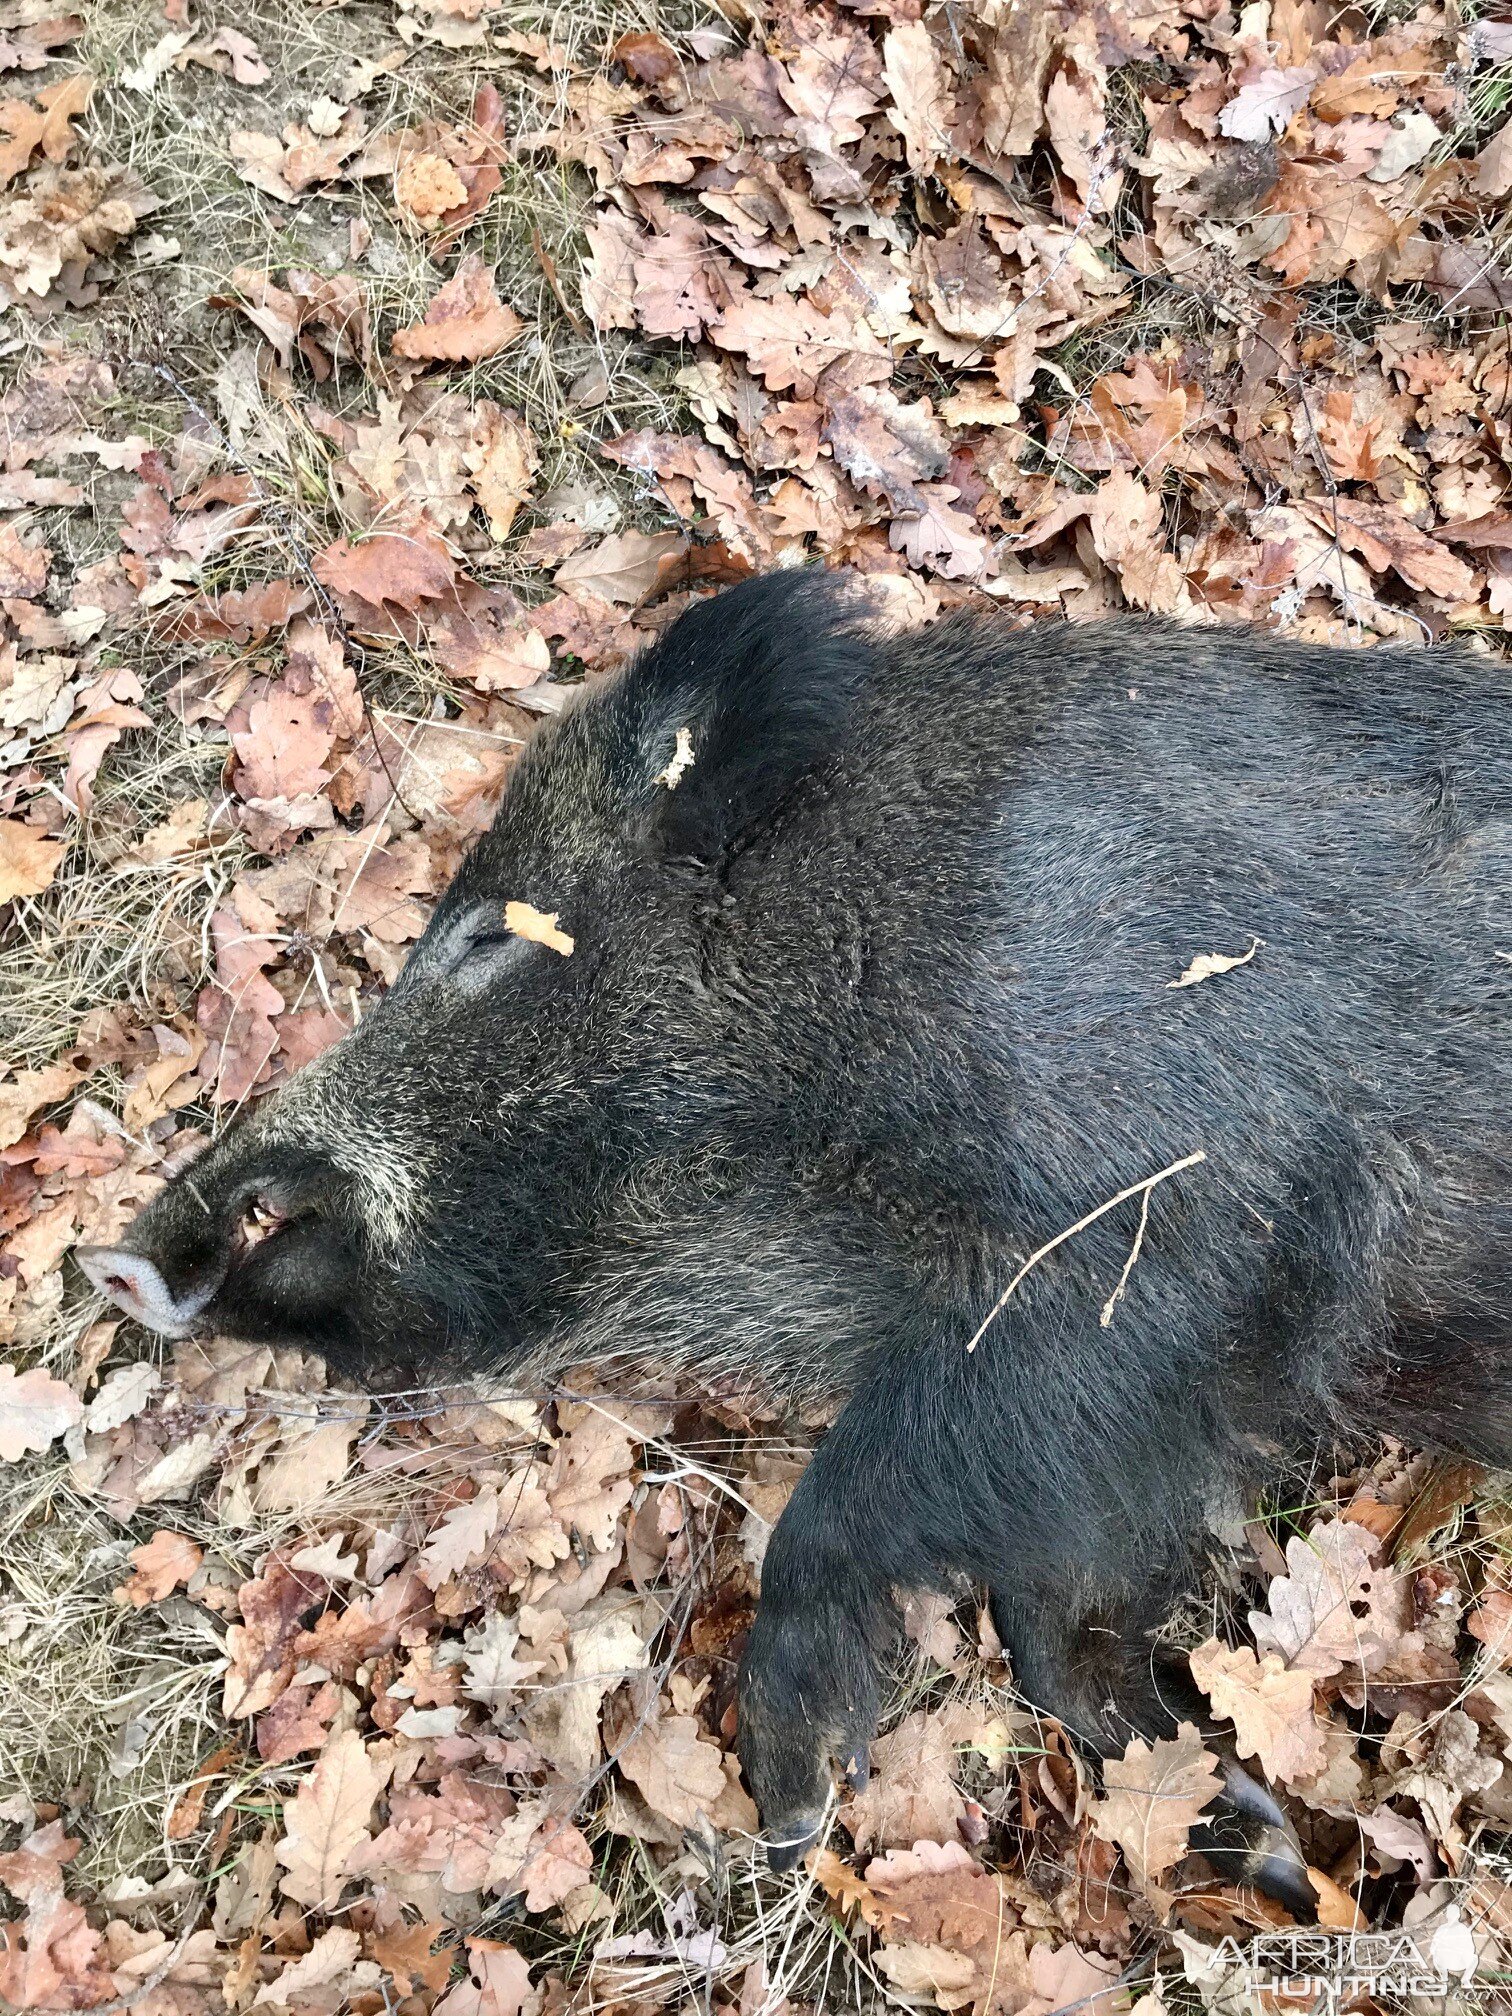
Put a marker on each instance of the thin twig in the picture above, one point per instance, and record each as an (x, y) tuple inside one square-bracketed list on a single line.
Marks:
[(1041, 1252)]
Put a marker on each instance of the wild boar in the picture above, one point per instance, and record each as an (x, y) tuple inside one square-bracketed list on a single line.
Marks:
[(891, 963)]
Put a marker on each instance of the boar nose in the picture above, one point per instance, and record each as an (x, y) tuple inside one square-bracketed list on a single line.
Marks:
[(136, 1285)]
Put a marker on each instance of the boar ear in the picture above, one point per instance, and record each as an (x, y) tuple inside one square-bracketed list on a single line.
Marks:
[(744, 695)]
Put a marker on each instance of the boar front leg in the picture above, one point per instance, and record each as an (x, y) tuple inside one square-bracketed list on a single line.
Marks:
[(809, 1681)]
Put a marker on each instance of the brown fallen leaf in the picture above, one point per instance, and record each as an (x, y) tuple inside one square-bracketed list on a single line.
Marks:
[(28, 1092), (1270, 1706), (1385, 539), (540, 926), (35, 1409), (164, 1563), (464, 323), (498, 1983), (540, 1856), (45, 129), (326, 1819), (407, 1955), (1338, 1606), (63, 218), (1128, 531), (607, 285), (407, 569), (28, 860), (678, 1773), (1152, 1798), (623, 568), (922, 106)]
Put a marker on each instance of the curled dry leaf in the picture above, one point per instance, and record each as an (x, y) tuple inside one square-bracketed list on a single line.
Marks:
[(427, 186), (540, 926), (1206, 964), (465, 323)]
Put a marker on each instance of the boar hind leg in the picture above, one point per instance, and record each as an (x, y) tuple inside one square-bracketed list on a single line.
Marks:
[(1092, 1665)]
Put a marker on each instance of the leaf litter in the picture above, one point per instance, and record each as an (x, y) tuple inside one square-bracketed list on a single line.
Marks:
[(322, 1701)]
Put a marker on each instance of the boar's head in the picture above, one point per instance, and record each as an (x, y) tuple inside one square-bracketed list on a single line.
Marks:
[(437, 1186)]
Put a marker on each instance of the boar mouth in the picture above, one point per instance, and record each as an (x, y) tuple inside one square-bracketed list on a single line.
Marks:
[(261, 1220)]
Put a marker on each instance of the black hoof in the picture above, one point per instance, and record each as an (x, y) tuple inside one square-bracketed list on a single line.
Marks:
[(1247, 1838)]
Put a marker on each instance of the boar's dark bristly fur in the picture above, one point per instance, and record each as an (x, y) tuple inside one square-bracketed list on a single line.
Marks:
[(871, 1003)]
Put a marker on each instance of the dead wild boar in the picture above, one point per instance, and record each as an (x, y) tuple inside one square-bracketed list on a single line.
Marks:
[(875, 990)]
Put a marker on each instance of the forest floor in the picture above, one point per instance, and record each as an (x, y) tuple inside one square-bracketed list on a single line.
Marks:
[(374, 373)]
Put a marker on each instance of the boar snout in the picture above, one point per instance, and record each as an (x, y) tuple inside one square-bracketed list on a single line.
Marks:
[(252, 1231), (137, 1287)]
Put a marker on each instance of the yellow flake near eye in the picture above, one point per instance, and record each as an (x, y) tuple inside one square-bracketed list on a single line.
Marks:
[(682, 759), (538, 925)]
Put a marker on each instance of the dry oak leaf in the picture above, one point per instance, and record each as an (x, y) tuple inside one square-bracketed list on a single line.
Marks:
[(405, 568), (1265, 104), (308, 1465), (1128, 530), (498, 1983), (1493, 165), (1337, 1606), (28, 860), (35, 1409), (885, 446), (540, 1856), (68, 215), (1152, 1798), (464, 323), (23, 568), (502, 461), (844, 1887), (624, 568), (163, 1564), (590, 1483), (328, 1962), (326, 1820), (460, 1539), (1384, 538), (911, 1795), (45, 129), (679, 1776), (789, 343), (932, 1973), (1270, 1707), (607, 286), (921, 107), (936, 1894), (28, 1092), (405, 1954)]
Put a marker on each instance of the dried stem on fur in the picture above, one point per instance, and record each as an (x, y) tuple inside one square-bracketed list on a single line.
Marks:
[(1112, 1203)]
